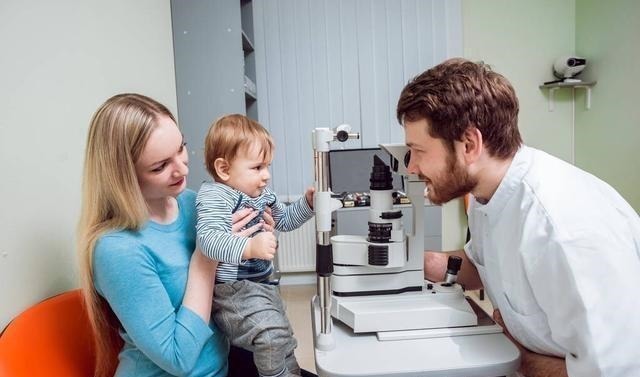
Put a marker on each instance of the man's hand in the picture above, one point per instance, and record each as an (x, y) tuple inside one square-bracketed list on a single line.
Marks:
[(309, 196), (435, 266), (262, 246), (534, 364)]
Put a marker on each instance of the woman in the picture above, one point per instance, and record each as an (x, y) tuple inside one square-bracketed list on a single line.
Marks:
[(140, 274)]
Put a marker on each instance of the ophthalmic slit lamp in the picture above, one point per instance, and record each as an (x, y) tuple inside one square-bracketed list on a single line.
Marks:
[(374, 287)]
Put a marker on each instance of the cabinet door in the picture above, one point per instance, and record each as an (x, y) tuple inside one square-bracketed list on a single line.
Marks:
[(207, 42)]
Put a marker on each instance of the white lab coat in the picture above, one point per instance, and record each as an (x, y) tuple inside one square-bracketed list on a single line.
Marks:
[(558, 251)]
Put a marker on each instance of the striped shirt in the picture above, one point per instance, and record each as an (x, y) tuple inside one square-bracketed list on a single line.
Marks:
[(215, 204)]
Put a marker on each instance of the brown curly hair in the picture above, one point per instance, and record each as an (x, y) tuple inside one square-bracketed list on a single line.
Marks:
[(458, 94)]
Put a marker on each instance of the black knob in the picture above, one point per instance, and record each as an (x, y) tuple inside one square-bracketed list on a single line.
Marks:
[(378, 255), (381, 178), (407, 158), (342, 136), (453, 265)]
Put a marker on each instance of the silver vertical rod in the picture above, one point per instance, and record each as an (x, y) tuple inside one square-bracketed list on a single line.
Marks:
[(323, 263)]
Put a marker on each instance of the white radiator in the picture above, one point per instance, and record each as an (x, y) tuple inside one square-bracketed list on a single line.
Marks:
[(296, 249)]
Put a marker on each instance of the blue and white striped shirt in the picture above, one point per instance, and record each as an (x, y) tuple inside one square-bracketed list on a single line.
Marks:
[(215, 204)]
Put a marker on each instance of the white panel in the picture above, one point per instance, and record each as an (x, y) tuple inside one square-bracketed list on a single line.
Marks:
[(366, 76), (424, 11), (321, 63), (334, 61), (306, 113), (410, 40), (274, 93), (350, 75), (381, 71), (296, 250), (439, 31), (288, 142), (454, 28), (394, 133)]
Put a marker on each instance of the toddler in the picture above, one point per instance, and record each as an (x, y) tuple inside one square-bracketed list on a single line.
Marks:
[(238, 153)]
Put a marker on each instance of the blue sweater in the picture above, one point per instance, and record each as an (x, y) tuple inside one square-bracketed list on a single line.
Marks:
[(143, 276)]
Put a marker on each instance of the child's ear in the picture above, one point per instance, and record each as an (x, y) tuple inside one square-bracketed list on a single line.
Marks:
[(222, 168)]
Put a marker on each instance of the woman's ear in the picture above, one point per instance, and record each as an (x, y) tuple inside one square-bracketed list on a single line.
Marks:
[(222, 168), (472, 142)]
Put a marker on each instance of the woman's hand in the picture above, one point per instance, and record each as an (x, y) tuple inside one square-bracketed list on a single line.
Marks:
[(241, 218)]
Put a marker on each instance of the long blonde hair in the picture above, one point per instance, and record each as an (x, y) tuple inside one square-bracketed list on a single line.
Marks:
[(112, 200)]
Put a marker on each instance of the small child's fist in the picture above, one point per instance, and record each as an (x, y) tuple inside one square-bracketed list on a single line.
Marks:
[(309, 196), (262, 246)]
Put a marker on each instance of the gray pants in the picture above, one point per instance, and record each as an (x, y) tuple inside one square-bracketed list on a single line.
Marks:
[(252, 316)]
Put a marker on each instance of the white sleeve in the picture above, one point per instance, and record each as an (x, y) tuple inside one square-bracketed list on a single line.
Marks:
[(586, 285)]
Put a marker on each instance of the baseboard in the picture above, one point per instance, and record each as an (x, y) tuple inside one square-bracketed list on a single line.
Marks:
[(297, 278)]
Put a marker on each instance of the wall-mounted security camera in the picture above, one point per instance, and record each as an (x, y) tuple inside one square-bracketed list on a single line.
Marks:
[(568, 67)]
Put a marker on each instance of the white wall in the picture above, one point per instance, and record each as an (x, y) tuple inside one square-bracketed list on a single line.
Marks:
[(58, 62)]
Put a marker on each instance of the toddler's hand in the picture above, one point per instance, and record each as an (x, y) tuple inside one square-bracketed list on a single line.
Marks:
[(309, 196), (261, 246), (269, 224)]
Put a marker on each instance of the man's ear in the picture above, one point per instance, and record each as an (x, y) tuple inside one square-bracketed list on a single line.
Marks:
[(472, 144), (222, 168)]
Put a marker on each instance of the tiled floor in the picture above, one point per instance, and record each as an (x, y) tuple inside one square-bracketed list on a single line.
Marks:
[(298, 298)]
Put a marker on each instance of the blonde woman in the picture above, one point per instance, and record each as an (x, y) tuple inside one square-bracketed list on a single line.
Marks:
[(147, 292)]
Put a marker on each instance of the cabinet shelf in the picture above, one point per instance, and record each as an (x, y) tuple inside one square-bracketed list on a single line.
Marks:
[(250, 92), (573, 85), (247, 45)]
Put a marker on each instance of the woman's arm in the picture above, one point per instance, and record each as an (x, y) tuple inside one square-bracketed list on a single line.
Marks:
[(200, 284), (170, 332)]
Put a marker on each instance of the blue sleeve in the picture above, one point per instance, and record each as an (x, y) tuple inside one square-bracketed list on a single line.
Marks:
[(126, 276), (214, 227), (292, 216)]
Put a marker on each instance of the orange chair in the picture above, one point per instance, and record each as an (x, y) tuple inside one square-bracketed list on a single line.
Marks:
[(51, 338)]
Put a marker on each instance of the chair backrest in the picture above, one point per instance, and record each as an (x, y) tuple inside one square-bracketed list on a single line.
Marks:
[(51, 338)]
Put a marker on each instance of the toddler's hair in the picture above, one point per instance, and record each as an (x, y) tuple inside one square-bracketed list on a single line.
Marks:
[(233, 134)]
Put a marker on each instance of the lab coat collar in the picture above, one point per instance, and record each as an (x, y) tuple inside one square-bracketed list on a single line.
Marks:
[(509, 184)]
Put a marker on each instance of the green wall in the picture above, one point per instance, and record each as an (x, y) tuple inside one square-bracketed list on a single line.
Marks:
[(608, 135), (521, 39)]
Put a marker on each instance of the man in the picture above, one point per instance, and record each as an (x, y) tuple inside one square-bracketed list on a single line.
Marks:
[(557, 249)]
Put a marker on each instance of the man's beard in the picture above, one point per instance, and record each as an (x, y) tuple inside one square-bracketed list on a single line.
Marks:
[(453, 183)]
